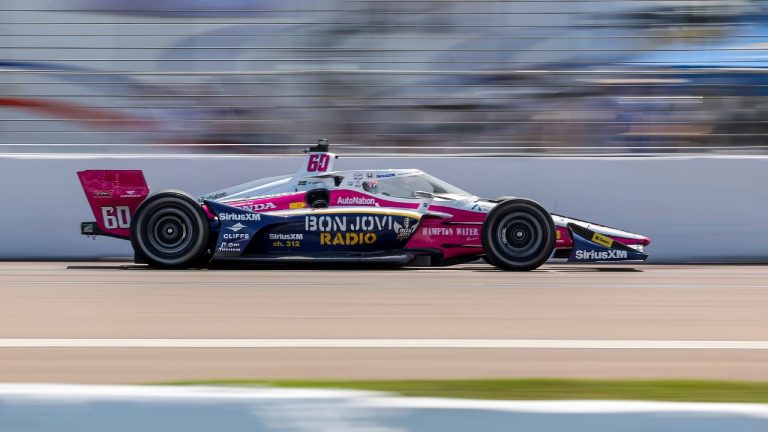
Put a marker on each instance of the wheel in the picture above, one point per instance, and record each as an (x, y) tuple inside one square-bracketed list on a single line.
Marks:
[(518, 235), (170, 230)]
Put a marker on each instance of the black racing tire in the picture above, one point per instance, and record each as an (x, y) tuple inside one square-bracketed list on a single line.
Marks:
[(518, 235), (170, 230)]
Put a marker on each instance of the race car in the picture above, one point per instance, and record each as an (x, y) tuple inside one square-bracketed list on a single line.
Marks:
[(395, 217)]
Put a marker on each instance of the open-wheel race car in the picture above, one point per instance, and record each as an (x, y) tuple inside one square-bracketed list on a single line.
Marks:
[(318, 215)]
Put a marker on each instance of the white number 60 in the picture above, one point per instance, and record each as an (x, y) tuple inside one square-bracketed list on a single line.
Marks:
[(116, 217)]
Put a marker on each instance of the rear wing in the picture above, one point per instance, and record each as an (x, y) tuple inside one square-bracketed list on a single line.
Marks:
[(114, 196)]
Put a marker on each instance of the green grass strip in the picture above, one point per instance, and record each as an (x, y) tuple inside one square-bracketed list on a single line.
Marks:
[(539, 389)]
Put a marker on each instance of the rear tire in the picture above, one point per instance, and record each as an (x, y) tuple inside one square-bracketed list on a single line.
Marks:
[(170, 230), (518, 235)]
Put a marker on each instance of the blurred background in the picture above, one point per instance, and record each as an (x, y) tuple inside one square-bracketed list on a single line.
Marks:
[(398, 76), (142, 84)]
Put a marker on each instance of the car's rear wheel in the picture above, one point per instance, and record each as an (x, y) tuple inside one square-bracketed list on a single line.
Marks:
[(518, 235), (170, 230)]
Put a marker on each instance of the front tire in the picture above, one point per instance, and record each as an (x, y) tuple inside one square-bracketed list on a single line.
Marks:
[(518, 235), (170, 230)]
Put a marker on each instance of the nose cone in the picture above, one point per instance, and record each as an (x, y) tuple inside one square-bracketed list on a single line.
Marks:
[(625, 237), (645, 241), (628, 238)]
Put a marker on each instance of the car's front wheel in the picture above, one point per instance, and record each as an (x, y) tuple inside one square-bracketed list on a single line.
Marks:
[(518, 235), (170, 230)]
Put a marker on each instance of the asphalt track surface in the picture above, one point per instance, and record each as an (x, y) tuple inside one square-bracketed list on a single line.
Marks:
[(113, 323)]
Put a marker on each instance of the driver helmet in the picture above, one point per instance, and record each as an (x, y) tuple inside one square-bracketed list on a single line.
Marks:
[(371, 186)]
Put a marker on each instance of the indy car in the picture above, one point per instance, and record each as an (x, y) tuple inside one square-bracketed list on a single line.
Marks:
[(319, 215)]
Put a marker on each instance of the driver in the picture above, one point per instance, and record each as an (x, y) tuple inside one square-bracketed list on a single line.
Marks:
[(371, 186)]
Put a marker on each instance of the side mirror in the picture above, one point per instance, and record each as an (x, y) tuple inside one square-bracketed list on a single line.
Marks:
[(426, 200)]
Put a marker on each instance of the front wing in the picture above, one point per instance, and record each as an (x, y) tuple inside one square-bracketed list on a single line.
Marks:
[(590, 246)]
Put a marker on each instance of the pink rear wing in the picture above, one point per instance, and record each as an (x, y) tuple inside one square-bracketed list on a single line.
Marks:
[(113, 196)]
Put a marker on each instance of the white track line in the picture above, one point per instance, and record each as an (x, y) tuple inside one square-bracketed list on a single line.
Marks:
[(386, 343)]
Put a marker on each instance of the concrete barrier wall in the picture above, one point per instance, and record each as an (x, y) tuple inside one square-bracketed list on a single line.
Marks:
[(694, 209)]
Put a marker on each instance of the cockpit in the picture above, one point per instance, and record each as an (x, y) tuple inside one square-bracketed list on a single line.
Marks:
[(406, 185)]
